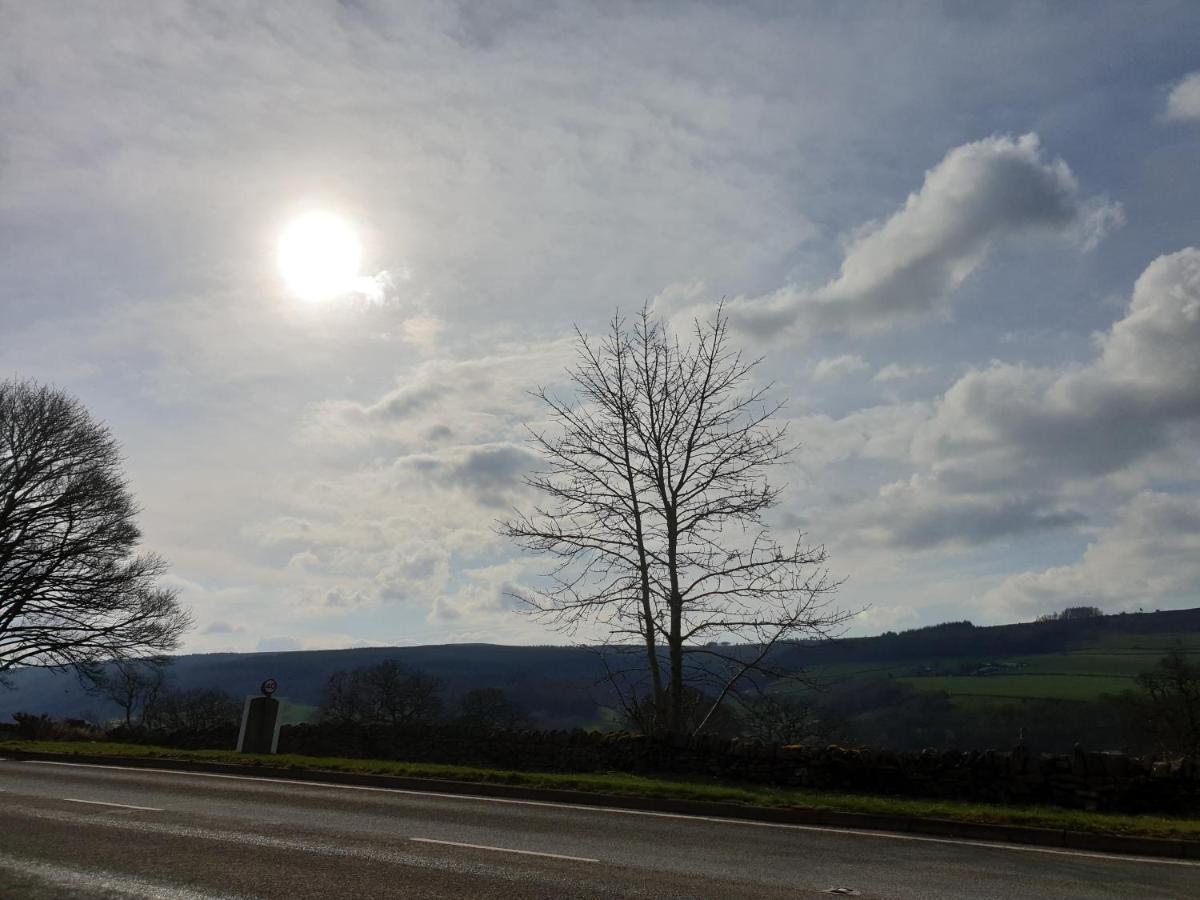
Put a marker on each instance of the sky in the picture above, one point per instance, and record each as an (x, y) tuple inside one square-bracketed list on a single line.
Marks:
[(964, 238)]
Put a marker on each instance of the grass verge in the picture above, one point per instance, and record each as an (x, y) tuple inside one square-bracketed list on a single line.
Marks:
[(662, 788)]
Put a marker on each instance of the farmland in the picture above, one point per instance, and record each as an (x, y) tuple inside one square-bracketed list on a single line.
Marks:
[(1104, 665)]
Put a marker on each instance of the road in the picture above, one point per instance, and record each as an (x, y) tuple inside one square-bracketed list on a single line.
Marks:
[(69, 830)]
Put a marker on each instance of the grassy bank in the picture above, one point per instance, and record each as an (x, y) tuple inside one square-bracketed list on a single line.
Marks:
[(636, 786)]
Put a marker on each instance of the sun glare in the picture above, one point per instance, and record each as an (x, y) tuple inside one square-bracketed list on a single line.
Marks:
[(319, 256)]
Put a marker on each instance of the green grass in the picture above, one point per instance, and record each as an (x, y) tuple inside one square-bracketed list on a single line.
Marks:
[(1155, 644), (1052, 686), (1089, 662), (664, 788)]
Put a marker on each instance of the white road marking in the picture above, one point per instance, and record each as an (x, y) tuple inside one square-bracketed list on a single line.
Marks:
[(118, 805), (83, 882), (504, 850), (860, 832)]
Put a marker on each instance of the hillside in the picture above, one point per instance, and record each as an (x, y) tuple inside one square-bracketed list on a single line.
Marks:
[(1064, 660), (1068, 660)]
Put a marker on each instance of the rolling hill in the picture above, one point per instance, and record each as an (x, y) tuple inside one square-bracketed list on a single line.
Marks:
[(564, 686)]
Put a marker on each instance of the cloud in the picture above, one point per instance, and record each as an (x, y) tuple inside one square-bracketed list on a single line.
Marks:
[(897, 372), (1028, 425), (875, 433), (838, 367), (483, 399), (491, 473), (918, 514), (486, 593), (909, 266), (278, 644), (1183, 103), (224, 628), (1006, 449), (1148, 558)]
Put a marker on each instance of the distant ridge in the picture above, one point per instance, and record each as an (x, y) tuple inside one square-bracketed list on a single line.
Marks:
[(563, 686)]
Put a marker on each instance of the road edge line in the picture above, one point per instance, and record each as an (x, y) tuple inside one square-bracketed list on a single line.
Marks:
[(1176, 848)]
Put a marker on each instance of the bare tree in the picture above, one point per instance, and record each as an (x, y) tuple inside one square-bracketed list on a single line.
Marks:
[(73, 592), (490, 707), (199, 709), (776, 718), (655, 486), (385, 694), (1168, 703), (137, 686)]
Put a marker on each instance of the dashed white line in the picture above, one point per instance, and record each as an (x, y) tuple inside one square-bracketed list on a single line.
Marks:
[(616, 810), (504, 850), (118, 805)]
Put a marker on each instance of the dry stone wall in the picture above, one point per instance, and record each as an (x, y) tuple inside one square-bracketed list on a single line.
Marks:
[(1083, 779)]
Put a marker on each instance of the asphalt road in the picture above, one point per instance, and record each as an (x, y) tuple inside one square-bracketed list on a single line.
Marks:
[(100, 831)]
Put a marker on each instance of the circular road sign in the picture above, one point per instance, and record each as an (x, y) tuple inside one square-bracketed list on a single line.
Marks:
[(269, 687)]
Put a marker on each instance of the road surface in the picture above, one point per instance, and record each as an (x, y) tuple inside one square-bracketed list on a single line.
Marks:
[(69, 830)]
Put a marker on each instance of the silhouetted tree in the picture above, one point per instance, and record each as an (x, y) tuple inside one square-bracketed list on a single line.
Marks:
[(73, 592), (490, 707), (782, 719), (384, 694), (1073, 613), (1168, 701), (200, 709), (655, 487), (136, 686)]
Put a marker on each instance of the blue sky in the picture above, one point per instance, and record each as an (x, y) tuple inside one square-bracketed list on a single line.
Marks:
[(963, 235)]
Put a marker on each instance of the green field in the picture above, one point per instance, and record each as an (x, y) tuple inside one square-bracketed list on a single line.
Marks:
[(1047, 686), (1109, 665)]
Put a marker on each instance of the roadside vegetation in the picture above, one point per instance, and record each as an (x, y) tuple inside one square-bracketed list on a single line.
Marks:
[(622, 785)]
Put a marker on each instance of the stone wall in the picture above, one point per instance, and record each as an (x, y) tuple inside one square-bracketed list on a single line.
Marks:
[(1085, 780)]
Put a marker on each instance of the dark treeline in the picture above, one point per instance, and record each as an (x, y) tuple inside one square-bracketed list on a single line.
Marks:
[(547, 688), (388, 710), (963, 639)]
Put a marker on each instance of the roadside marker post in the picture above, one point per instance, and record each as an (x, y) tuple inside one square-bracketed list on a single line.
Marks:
[(260, 721)]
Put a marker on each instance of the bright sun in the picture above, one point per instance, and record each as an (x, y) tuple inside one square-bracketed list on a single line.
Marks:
[(319, 255)]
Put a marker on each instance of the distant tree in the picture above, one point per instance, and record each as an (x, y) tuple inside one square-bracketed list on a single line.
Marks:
[(1073, 613), (200, 709), (73, 591), (342, 698), (385, 694), (1168, 703), (639, 713), (490, 707), (783, 719), (136, 686), (654, 487)]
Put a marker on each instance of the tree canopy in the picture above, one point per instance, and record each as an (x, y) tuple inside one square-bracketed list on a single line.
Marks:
[(74, 591)]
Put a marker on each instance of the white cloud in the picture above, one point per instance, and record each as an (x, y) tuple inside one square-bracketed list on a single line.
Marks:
[(836, 368), (909, 266), (1183, 103), (1013, 449), (897, 372), (919, 513), (474, 399), (877, 433), (1148, 558), (1028, 426)]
